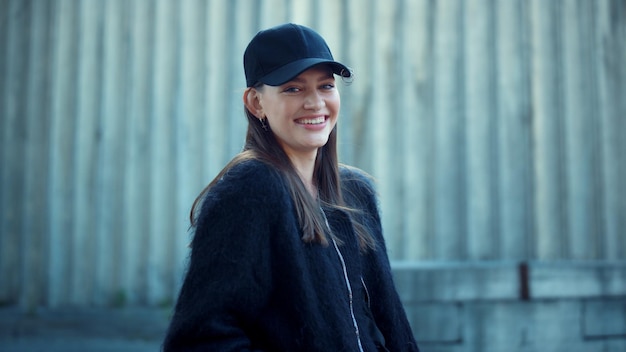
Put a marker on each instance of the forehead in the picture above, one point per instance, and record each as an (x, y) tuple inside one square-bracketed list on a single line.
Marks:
[(317, 72)]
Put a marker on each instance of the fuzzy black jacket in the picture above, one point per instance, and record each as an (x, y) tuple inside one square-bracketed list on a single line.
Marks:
[(254, 285)]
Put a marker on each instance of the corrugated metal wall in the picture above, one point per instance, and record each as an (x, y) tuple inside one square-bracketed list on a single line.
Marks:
[(494, 129)]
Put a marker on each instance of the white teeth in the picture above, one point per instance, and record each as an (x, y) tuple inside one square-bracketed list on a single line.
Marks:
[(314, 121)]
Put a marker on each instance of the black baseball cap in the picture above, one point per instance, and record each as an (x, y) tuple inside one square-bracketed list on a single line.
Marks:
[(278, 54)]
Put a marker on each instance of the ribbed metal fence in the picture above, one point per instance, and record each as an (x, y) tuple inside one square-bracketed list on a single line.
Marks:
[(494, 129)]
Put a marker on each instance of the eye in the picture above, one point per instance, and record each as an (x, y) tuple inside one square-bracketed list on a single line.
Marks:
[(291, 89), (328, 86)]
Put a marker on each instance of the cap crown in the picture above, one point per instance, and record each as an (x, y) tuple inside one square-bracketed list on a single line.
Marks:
[(278, 54)]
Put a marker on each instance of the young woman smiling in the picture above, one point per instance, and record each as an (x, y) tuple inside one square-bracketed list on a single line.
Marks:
[(288, 252)]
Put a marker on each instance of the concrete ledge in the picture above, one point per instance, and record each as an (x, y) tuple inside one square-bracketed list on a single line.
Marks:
[(577, 279), (461, 281), (466, 281)]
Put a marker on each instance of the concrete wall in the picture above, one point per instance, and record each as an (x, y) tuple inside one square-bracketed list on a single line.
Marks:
[(500, 306)]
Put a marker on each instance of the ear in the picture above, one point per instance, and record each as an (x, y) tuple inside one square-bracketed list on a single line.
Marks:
[(252, 102)]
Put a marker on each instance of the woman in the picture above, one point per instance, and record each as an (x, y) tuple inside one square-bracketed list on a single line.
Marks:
[(288, 253)]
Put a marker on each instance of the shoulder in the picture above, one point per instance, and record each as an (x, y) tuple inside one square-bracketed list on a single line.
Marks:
[(359, 191), (249, 176), (355, 181), (245, 195), (249, 183)]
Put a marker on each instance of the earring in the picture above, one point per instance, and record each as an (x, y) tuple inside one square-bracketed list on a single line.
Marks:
[(263, 124)]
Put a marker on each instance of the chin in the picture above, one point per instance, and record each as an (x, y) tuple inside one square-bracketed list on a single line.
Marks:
[(320, 144)]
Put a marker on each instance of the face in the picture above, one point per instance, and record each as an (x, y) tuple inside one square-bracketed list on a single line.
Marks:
[(301, 112)]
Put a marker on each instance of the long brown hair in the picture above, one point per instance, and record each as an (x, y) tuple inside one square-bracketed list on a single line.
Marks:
[(262, 145)]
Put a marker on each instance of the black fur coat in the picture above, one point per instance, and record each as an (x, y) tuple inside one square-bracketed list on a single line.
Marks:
[(254, 285)]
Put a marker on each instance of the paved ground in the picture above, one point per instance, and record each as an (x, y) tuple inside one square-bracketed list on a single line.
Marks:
[(85, 330)]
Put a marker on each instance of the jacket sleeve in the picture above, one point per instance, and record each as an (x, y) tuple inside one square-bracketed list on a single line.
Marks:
[(229, 276), (385, 304)]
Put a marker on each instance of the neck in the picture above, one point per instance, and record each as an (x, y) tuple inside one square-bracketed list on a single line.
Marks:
[(305, 165)]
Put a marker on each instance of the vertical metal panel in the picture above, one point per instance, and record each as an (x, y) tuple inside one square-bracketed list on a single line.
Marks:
[(272, 12), (354, 97), (416, 123), (493, 129), (514, 115), (610, 33), (217, 114), (480, 127), (62, 146), (5, 262), (190, 112), (17, 133), (449, 201), (164, 95), (12, 23), (111, 156), (580, 131), (547, 130), (382, 114), (384, 120), (34, 222), (137, 197), (88, 105), (397, 64)]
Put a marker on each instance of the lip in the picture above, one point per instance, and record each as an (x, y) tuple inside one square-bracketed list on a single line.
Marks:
[(313, 126)]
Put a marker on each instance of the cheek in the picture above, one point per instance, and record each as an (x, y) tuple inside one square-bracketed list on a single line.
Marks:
[(273, 110), (335, 105)]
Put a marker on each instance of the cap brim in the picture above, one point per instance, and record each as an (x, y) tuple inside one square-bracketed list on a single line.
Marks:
[(290, 71)]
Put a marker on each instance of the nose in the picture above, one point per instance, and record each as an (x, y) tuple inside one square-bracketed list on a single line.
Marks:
[(314, 101)]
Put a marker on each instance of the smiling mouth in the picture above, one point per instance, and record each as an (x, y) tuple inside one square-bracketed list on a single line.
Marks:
[(314, 121)]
